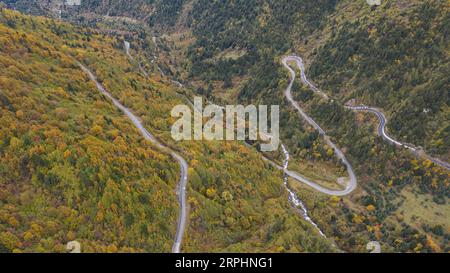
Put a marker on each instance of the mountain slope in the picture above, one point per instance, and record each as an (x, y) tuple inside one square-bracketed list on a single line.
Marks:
[(394, 57), (398, 62), (151, 11), (351, 52), (74, 168)]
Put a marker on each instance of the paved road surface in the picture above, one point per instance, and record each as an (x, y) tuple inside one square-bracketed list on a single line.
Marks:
[(385, 136), (352, 183), (148, 136)]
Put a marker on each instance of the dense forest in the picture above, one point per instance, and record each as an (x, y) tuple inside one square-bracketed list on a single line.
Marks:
[(153, 12), (411, 63), (72, 167)]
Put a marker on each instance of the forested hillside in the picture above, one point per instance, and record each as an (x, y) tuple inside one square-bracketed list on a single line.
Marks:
[(394, 57), (397, 62), (150, 11), (74, 168)]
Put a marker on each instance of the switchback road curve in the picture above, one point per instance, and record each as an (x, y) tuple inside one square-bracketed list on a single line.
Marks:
[(352, 183), (382, 132)]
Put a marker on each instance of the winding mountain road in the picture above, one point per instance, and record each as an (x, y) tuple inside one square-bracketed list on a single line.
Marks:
[(148, 136), (350, 186), (382, 132), (377, 112), (352, 183), (381, 126), (299, 62), (181, 227)]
